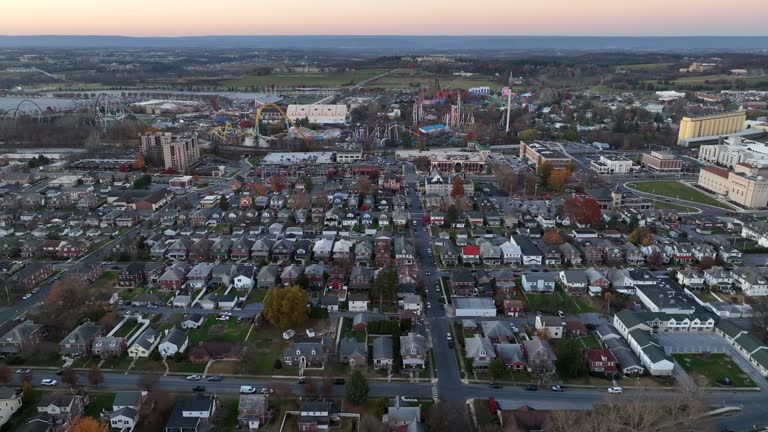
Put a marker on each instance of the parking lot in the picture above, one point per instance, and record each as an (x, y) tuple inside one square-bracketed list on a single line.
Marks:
[(686, 343)]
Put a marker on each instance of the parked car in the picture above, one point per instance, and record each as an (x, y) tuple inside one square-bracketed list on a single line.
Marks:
[(60, 372), (615, 390), (222, 318), (302, 380), (267, 390), (448, 336), (26, 296), (247, 389), (23, 371), (194, 378), (289, 334), (198, 388), (557, 388), (495, 385), (339, 381), (531, 387), (214, 378), (48, 382)]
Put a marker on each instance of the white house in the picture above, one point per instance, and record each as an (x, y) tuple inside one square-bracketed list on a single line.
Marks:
[(10, 402), (358, 302), (551, 324), (750, 281), (244, 283), (176, 341), (539, 282), (511, 253), (144, 344)]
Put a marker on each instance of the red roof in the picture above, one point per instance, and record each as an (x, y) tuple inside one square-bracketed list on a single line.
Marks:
[(470, 250), (722, 172), (600, 355)]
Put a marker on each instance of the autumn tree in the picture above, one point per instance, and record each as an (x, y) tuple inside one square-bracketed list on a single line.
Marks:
[(278, 183), (557, 179), (156, 411), (582, 211), (88, 424), (641, 236), (362, 185), (655, 259), (458, 187), (544, 171), (258, 189), (422, 163), (286, 307), (553, 237), (300, 200), (69, 376), (138, 163), (528, 135), (95, 376)]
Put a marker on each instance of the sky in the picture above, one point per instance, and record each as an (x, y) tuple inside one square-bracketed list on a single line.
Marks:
[(385, 17)]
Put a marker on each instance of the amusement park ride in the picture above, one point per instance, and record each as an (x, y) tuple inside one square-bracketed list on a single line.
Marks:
[(252, 136)]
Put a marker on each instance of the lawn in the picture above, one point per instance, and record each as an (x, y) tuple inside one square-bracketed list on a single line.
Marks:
[(591, 342), (706, 296), (268, 342), (228, 413), (708, 369), (127, 328), (678, 190), (666, 205), (99, 402), (301, 79), (256, 296), (558, 301), (229, 330)]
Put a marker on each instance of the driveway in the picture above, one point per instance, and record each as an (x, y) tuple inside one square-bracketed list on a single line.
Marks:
[(685, 343)]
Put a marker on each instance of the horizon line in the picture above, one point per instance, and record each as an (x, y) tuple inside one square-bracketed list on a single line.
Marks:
[(386, 35)]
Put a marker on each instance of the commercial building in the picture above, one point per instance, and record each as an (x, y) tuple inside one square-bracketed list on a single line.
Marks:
[(661, 161), (539, 152), (711, 125), (746, 186), (734, 150), (611, 165), (319, 114), (451, 160), (180, 153)]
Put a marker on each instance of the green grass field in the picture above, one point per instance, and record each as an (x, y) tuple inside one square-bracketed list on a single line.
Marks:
[(675, 189), (707, 369), (646, 66), (300, 79), (678, 207), (416, 78)]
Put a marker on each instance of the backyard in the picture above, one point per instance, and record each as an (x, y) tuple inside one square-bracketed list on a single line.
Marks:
[(709, 369), (678, 190)]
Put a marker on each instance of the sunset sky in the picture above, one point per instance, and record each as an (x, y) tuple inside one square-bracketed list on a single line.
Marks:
[(411, 17)]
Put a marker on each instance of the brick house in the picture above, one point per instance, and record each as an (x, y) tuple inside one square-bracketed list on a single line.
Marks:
[(601, 361), (131, 276), (32, 274)]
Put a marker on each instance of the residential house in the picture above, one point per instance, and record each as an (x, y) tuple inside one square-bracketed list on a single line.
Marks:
[(10, 402), (22, 337), (143, 346), (252, 411), (175, 341), (552, 325), (601, 361), (353, 352), (448, 255), (480, 350), (315, 415), (361, 278), (109, 346), (192, 415), (267, 277), (413, 350), (512, 355), (309, 352), (358, 302), (80, 341), (32, 274), (64, 408), (131, 276), (383, 356), (470, 254), (575, 281), (538, 282), (750, 281), (540, 358)]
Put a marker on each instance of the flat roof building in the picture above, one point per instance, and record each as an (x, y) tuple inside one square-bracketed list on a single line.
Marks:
[(539, 152), (661, 161), (319, 114), (710, 125)]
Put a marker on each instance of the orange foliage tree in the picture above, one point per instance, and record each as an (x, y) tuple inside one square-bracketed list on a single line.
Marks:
[(138, 163), (582, 211), (557, 179), (458, 187), (553, 237), (88, 424)]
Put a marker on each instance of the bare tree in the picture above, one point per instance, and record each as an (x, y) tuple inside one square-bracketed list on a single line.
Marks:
[(448, 416), (6, 375), (69, 376), (95, 376), (645, 412)]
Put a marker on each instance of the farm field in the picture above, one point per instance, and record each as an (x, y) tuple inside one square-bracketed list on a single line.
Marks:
[(300, 79)]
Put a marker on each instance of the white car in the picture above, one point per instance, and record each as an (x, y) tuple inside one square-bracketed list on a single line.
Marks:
[(448, 335), (49, 382), (289, 334), (194, 378), (26, 296), (615, 390), (222, 318), (267, 390)]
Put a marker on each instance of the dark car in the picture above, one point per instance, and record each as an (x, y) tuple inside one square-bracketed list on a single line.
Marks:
[(531, 387), (60, 372), (495, 385), (302, 380), (339, 381), (214, 378), (198, 388)]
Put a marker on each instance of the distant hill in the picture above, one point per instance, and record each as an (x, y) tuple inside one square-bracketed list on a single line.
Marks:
[(404, 44)]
